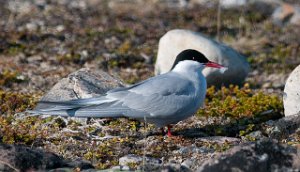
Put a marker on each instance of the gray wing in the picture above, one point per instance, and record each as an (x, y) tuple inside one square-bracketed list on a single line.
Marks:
[(163, 95)]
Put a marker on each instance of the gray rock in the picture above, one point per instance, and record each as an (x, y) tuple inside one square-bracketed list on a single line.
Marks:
[(120, 168), (220, 139), (150, 164), (239, 3), (23, 158), (291, 98), (187, 163), (286, 14), (174, 41), (172, 167), (74, 4), (192, 149), (257, 135), (283, 127), (17, 157), (82, 164), (260, 157), (233, 3), (83, 83), (19, 6)]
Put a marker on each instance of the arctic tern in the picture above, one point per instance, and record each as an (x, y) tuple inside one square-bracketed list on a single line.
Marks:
[(161, 100)]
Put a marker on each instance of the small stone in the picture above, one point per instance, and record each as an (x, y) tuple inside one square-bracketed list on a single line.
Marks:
[(60, 28), (116, 167), (256, 135), (187, 163), (233, 3), (220, 139), (19, 6), (125, 168), (135, 159)]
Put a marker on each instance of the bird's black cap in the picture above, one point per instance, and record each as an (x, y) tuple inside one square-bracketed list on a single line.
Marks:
[(190, 54)]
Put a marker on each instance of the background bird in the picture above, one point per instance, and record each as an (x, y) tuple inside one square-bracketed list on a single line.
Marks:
[(162, 100)]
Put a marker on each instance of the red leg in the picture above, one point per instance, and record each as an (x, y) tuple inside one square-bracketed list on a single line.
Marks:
[(169, 131)]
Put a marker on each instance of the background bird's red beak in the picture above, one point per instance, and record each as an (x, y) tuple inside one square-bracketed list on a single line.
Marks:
[(213, 64)]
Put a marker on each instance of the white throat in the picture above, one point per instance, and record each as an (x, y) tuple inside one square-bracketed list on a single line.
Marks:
[(188, 66)]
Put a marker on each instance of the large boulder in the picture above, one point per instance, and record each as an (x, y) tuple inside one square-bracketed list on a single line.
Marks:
[(174, 41), (22, 158), (260, 157), (291, 98)]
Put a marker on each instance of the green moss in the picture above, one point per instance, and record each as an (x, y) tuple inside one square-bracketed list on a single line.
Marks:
[(8, 77), (21, 131), (278, 57), (12, 102), (236, 103), (132, 165), (125, 47), (106, 153), (132, 80), (247, 130), (69, 58), (15, 48)]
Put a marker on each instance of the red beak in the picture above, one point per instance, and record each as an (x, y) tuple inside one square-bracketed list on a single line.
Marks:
[(213, 64)]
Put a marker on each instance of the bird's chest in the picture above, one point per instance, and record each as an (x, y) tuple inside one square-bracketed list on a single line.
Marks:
[(200, 91)]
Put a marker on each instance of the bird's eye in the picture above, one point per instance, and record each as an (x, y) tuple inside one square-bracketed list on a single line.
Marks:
[(193, 58)]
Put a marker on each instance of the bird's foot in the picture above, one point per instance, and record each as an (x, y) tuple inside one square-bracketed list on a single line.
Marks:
[(169, 131)]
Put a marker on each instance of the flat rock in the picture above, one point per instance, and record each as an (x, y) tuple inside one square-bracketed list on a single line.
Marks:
[(260, 156), (150, 164), (17, 157), (174, 41), (220, 139), (291, 98)]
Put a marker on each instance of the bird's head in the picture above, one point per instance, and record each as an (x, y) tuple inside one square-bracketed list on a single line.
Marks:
[(194, 55)]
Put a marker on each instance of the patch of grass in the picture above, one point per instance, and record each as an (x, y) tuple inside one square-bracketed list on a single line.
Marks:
[(236, 103), (106, 153), (13, 102), (15, 48), (8, 77), (126, 61), (19, 131), (281, 57), (125, 47), (69, 58), (14, 130)]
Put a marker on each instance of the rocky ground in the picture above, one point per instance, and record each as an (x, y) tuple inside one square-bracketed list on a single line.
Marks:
[(43, 41)]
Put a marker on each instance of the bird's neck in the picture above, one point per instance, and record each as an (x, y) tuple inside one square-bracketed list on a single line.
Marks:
[(192, 71)]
